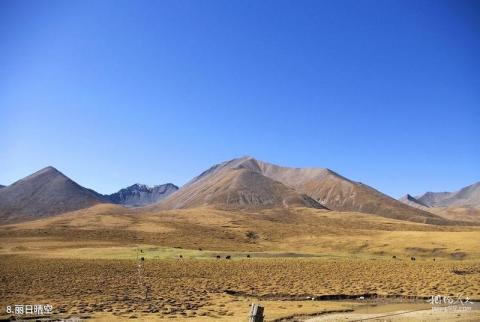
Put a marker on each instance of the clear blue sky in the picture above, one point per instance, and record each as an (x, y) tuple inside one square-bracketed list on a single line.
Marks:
[(117, 92)]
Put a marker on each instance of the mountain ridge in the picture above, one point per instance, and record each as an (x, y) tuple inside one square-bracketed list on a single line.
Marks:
[(138, 195), (414, 202), (468, 196), (326, 187), (241, 183)]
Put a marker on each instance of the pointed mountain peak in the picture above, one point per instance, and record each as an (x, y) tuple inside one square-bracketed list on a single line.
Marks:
[(47, 172), (245, 157), (409, 197), (250, 164), (50, 171), (412, 201), (46, 192), (239, 160)]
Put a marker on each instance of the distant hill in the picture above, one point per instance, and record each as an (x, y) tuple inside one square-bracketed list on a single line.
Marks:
[(468, 196), (413, 202), (138, 195), (2, 186), (462, 205), (44, 193), (247, 181)]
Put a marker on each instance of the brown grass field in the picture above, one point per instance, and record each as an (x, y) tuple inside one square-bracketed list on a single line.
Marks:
[(85, 264)]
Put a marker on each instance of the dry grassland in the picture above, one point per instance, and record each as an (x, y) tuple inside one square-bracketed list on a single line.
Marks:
[(83, 263), (183, 288), (282, 230)]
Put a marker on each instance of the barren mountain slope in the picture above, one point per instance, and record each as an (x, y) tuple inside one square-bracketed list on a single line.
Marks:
[(466, 197), (233, 187), (44, 193), (323, 185)]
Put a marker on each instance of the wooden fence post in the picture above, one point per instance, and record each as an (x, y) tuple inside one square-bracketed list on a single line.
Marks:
[(256, 313)]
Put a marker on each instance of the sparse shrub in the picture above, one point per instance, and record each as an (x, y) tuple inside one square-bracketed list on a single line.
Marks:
[(251, 235)]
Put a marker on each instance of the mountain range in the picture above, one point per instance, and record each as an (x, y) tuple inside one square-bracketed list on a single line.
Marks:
[(139, 195), (49, 192), (246, 182), (468, 196), (239, 184), (463, 204), (465, 197)]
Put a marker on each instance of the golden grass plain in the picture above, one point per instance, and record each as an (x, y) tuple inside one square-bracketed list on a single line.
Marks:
[(84, 263)]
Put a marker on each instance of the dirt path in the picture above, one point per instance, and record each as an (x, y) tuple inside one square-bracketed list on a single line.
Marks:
[(402, 313)]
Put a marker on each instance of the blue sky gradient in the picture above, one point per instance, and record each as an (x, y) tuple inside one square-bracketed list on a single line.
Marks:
[(117, 92)]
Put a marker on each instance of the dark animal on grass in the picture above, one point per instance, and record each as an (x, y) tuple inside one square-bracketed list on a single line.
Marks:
[(228, 257), (142, 258), (218, 256), (394, 256), (248, 256), (412, 258), (181, 256)]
